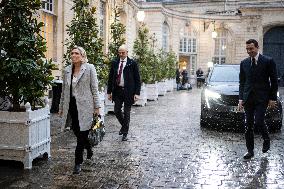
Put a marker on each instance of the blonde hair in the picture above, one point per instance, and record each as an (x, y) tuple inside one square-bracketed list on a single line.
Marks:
[(82, 52)]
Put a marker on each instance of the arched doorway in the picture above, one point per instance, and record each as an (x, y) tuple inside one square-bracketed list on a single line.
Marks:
[(273, 46)]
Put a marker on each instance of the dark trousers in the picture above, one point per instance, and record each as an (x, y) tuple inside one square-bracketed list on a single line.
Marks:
[(82, 136), (254, 116), (123, 118)]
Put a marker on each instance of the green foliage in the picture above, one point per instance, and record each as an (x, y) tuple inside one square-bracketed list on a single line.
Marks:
[(83, 31), (172, 62), (144, 55), (162, 72), (25, 74), (117, 30), (153, 67)]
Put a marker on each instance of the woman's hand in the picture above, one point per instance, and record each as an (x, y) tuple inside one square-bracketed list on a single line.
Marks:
[(97, 111), (272, 104)]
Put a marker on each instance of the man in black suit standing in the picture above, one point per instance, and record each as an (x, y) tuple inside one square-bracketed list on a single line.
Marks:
[(257, 92), (123, 87)]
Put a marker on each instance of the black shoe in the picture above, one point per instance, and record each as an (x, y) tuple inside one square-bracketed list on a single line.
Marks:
[(124, 137), (248, 155), (77, 169), (120, 133), (266, 146)]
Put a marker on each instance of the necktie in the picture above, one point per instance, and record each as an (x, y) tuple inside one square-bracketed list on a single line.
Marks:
[(253, 63), (119, 72)]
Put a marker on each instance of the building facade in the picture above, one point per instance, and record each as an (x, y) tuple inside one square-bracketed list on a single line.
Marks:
[(198, 31)]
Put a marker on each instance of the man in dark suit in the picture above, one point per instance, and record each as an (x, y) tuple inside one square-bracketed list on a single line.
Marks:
[(123, 87), (257, 92)]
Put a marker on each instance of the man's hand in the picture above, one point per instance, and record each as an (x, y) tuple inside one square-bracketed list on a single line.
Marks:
[(240, 106), (136, 97), (109, 97), (272, 104)]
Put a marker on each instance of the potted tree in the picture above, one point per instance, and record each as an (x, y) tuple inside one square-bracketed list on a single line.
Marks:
[(25, 76), (146, 59), (171, 62), (162, 73)]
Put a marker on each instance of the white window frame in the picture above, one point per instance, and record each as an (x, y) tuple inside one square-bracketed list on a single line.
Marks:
[(47, 4), (220, 47), (188, 46), (188, 43), (165, 36)]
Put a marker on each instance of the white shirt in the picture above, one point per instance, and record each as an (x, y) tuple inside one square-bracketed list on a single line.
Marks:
[(121, 83), (256, 58)]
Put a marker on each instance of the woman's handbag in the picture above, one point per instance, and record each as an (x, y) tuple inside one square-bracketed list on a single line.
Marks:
[(97, 131)]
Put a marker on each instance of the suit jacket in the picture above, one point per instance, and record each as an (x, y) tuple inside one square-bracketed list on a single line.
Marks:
[(131, 76), (85, 92), (262, 81)]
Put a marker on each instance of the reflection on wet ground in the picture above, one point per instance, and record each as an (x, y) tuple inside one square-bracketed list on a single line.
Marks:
[(166, 149)]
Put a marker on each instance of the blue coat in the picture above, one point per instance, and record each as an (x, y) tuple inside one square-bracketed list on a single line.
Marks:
[(262, 81)]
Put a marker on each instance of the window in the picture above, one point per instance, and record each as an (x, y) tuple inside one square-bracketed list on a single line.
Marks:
[(188, 46), (187, 42), (165, 37), (220, 47), (102, 18), (49, 34), (47, 5)]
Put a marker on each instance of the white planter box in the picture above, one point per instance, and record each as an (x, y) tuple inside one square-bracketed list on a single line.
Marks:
[(170, 85), (25, 135), (174, 84), (102, 105), (152, 91), (162, 88), (143, 96)]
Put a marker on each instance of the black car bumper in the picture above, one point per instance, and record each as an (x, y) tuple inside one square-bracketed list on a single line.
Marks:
[(227, 117)]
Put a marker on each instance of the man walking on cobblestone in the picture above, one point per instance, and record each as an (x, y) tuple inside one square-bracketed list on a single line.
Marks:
[(123, 87), (257, 91)]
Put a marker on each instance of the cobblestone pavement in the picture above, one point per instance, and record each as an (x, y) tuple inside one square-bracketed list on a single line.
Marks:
[(166, 149)]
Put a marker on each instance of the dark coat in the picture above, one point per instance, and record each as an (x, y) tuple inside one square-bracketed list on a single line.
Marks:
[(262, 81), (131, 75)]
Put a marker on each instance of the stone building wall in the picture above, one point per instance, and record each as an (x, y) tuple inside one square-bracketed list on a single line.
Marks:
[(242, 19)]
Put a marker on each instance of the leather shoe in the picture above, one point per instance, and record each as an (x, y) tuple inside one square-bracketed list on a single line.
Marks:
[(124, 137), (248, 155), (120, 133), (77, 169), (89, 154), (266, 146)]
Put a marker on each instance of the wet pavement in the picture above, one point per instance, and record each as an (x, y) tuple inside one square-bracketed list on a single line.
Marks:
[(166, 149)]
